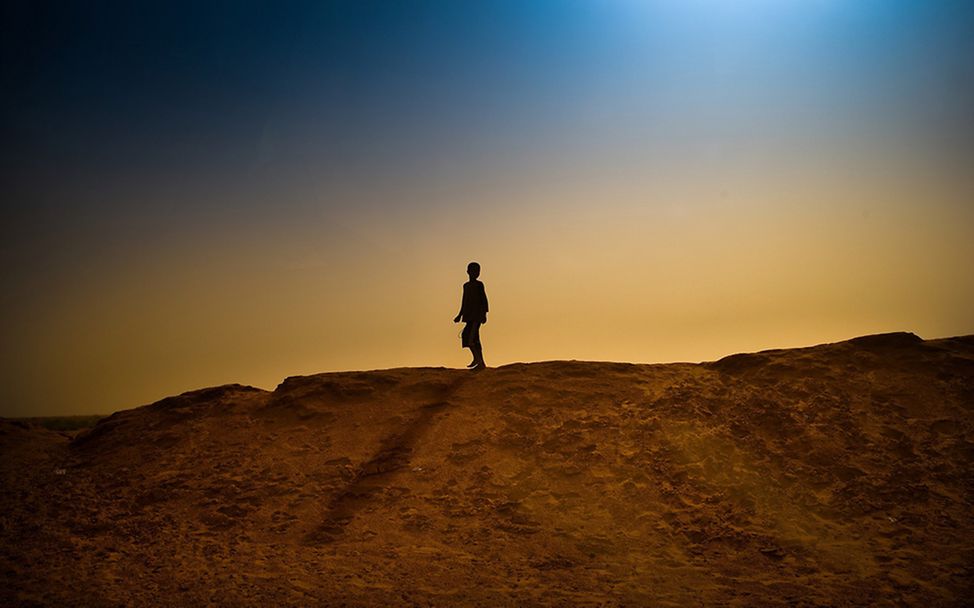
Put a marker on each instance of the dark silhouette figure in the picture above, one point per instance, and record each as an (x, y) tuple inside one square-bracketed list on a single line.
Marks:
[(473, 312)]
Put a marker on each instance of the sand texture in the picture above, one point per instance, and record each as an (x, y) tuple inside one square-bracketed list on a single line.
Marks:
[(836, 475)]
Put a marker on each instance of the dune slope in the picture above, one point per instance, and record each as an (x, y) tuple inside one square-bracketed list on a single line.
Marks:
[(837, 475)]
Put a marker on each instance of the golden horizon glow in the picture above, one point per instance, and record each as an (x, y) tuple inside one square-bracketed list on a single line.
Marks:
[(674, 280)]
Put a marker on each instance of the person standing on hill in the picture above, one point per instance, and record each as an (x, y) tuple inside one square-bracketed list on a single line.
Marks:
[(473, 312)]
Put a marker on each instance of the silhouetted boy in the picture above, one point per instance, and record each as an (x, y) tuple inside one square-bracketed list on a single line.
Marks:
[(473, 312)]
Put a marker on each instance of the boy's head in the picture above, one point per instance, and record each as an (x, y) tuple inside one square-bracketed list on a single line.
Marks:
[(473, 269)]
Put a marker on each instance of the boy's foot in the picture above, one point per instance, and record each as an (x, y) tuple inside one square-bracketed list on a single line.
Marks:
[(479, 366), (472, 363)]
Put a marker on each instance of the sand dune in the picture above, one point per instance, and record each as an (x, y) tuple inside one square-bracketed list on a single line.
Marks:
[(833, 475)]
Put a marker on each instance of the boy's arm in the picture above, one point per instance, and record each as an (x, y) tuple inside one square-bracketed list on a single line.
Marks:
[(483, 292), (459, 316)]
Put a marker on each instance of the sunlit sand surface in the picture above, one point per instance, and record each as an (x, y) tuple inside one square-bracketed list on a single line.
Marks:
[(833, 475)]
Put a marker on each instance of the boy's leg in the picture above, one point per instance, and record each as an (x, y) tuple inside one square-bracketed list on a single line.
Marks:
[(476, 348), (466, 341)]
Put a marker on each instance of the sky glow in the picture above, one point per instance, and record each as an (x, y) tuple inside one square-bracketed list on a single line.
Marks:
[(198, 194)]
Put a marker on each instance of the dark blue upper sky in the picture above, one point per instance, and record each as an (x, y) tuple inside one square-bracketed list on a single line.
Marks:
[(126, 82), (101, 81)]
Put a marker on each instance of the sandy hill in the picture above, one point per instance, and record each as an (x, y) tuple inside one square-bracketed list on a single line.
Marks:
[(836, 475)]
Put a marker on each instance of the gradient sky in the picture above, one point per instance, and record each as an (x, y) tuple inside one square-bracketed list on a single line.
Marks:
[(196, 193)]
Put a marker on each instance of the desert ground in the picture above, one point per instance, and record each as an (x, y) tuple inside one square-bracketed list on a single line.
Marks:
[(834, 475)]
